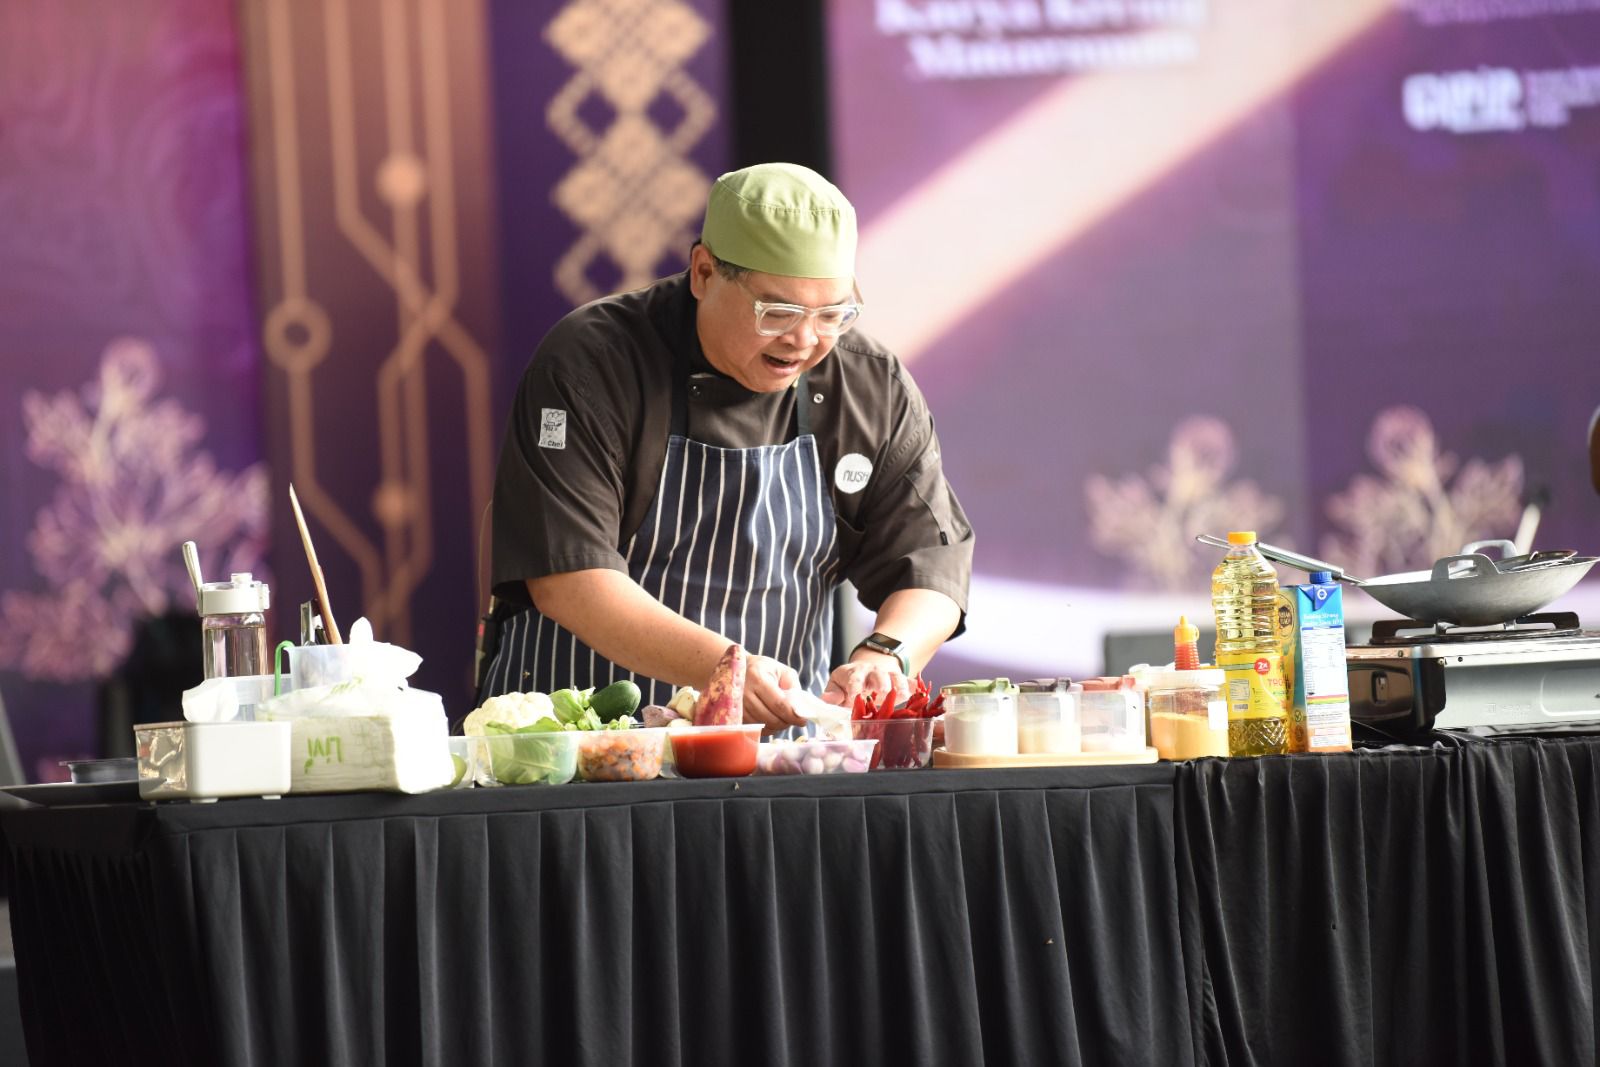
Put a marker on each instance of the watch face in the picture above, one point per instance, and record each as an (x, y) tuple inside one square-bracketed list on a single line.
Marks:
[(883, 643)]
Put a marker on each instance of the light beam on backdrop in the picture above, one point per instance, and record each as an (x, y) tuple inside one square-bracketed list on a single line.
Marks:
[(993, 212)]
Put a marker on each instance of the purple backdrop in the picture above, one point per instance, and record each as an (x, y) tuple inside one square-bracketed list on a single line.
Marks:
[(1335, 279), (128, 381)]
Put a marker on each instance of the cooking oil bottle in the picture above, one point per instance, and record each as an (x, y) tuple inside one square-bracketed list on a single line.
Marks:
[(1244, 591)]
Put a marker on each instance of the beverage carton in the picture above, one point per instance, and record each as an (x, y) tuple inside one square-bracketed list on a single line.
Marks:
[(1310, 627)]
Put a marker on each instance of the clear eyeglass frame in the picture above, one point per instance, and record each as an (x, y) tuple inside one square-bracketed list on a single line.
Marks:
[(829, 320)]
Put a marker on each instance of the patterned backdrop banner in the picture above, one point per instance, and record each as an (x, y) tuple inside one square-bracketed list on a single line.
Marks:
[(609, 129), (128, 370), (375, 268), (436, 182)]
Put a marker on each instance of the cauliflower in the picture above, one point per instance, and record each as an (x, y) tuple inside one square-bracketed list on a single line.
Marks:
[(515, 710), (684, 700)]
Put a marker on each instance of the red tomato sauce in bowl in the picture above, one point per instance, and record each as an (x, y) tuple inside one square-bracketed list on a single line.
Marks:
[(716, 751)]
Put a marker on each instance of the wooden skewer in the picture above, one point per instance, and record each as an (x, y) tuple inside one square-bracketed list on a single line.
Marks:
[(316, 571)]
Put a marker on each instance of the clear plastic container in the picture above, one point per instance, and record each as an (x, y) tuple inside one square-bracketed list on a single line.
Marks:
[(815, 756), (1188, 713), (1047, 716), (715, 751), (549, 758), (463, 760), (1111, 717), (903, 744), (621, 755), (980, 717)]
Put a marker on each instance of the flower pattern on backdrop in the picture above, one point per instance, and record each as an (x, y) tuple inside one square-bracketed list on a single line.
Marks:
[(1149, 521), (1412, 513), (134, 486)]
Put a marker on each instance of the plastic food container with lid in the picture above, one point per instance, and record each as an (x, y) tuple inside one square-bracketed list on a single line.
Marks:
[(543, 758), (816, 755), (1188, 712), (980, 717), (902, 744), (632, 755), (1047, 716), (1111, 718), (715, 751)]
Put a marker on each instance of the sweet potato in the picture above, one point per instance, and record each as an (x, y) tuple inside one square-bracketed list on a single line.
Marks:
[(722, 703)]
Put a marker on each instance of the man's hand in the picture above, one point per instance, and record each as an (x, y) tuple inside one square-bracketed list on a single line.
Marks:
[(765, 702), (870, 674)]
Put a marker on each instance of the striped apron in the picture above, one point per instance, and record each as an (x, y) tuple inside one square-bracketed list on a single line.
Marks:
[(739, 540)]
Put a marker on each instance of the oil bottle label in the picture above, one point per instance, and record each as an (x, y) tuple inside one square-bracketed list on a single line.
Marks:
[(1255, 684)]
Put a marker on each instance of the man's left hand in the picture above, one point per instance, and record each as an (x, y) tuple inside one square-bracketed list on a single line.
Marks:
[(875, 675)]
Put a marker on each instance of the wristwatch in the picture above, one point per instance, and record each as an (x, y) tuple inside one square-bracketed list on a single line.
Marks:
[(889, 646)]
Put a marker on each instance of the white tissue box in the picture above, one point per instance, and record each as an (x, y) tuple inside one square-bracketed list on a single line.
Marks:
[(206, 760), (352, 753)]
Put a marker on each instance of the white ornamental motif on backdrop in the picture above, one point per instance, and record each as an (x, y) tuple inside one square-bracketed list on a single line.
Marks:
[(1412, 512), (133, 487), (1148, 522)]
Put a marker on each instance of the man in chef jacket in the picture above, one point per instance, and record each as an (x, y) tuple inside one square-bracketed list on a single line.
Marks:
[(702, 461)]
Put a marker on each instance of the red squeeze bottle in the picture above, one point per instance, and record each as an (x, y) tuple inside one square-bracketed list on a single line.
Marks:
[(1185, 654)]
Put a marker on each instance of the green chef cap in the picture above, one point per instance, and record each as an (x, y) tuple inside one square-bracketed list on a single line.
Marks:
[(779, 218)]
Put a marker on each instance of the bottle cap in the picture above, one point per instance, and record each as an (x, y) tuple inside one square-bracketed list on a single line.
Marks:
[(242, 594), (1242, 537), (1321, 577), (1186, 632)]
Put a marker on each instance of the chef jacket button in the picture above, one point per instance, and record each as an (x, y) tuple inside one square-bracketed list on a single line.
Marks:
[(817, 398), (694, 390)]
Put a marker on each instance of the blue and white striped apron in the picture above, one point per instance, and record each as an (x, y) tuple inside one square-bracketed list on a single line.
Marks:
[(739, 540)]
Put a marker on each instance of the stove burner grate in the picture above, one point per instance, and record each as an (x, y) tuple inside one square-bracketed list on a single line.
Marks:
[(1396, 632)]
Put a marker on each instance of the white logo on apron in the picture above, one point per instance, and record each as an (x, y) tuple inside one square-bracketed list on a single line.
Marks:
[(851, 475), (552, 428)]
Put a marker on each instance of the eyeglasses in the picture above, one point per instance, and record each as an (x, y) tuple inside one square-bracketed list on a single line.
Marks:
[(830, 320)]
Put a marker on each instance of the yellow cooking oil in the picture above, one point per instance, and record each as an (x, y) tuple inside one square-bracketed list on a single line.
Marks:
[(1244, 594)]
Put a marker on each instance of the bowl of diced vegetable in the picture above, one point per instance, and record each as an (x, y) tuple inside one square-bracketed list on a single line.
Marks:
[(630, 755), (816, 755), (903, 744), (716, 751), (548, 757)]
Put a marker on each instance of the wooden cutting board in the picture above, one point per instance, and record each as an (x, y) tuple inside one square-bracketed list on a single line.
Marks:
[(942, 758)]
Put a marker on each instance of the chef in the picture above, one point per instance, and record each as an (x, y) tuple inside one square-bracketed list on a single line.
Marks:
[(702, 461)]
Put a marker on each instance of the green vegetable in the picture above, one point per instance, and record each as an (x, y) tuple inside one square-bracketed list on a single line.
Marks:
[(460, 766), (532, 756), (616, 699), (570, 704)]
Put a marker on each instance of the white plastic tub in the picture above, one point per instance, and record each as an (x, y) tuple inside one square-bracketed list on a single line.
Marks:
[(207, 760)]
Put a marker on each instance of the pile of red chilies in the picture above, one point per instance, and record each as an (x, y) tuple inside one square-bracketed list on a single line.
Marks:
[(882, 706)]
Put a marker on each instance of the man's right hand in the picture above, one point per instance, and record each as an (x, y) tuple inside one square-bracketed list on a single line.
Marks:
[(765, 698)]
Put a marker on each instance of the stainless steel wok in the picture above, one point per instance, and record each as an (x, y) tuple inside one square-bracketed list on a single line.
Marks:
[(1469, 589)]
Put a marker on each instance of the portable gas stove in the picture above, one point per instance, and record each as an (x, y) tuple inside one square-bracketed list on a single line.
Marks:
[(1540, 673)]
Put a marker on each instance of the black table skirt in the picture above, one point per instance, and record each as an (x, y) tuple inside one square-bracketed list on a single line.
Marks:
[(1404, 906), (929, 917)]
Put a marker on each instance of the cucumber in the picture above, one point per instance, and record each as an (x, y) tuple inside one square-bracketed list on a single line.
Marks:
[(615, 700)]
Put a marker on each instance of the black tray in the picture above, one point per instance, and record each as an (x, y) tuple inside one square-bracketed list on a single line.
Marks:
[(58, 794)]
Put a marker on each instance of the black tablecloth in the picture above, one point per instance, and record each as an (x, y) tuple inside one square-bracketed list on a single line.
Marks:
[(1403, 906), (930, 917)]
